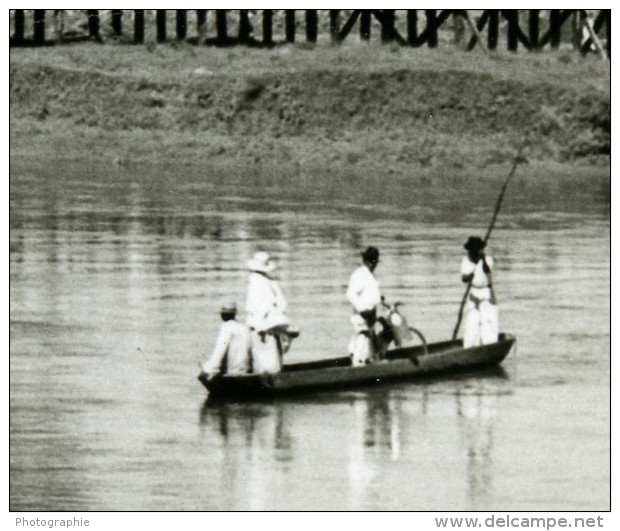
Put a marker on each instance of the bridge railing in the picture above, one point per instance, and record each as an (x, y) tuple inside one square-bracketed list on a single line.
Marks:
[(530, 29)]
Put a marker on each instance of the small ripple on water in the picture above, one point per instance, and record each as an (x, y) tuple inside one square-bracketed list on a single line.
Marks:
[(544, 382)]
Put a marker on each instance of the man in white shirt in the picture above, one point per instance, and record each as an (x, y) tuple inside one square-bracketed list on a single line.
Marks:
[(265, 307), (232, 351), (364, 295), (481, 315)]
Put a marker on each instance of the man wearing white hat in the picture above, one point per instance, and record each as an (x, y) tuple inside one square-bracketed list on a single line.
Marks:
[(232, 351), (265, 307)]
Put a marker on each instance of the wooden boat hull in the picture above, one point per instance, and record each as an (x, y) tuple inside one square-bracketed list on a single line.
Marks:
[(402, 363)]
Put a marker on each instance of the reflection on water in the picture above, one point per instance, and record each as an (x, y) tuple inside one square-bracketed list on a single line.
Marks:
[(116, 280), (475, 411), (237, 423), (372, 445), (377, 429)]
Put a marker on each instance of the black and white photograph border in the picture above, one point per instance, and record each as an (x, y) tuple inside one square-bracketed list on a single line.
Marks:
[(254, 267)]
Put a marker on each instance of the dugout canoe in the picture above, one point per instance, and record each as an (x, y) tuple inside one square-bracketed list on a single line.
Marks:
[(400, 364)]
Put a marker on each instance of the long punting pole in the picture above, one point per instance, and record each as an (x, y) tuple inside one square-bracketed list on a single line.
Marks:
[(498, 205)]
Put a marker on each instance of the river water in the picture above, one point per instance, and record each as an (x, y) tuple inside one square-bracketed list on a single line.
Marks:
[(116, 277)]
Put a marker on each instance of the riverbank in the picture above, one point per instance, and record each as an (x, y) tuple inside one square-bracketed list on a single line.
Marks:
[(367, 107)]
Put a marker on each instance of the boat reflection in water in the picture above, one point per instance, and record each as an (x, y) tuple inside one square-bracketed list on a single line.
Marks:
[(476, 409), (379, 447), (378, 439), (254, 451)]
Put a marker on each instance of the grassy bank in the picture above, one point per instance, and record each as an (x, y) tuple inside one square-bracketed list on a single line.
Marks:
[(373, 107)]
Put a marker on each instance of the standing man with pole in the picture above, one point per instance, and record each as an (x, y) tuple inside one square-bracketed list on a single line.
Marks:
[(481, 315), (483, 242)]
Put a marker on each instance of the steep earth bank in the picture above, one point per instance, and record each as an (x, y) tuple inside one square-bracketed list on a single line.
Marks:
[(389, 110)]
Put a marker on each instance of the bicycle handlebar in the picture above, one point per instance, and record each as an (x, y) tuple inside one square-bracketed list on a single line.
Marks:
[(394, 305)]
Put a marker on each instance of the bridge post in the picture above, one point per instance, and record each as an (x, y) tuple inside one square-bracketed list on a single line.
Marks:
[(431, 27), (93, 24), (365, 24), (18, 19), (555, 30), (267, 27), (289, 25), (513, 25), (412, 27), (138, 26), (534, 27), (312, 24), (39, 26), (608, 31), (493, 32), (220, 26), (334, 24), (244, 26), (161, 25), (576, 27), (117, 22), (181, 26), (387, 28)]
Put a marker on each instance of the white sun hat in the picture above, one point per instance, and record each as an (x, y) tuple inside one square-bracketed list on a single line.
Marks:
[(261, 262)]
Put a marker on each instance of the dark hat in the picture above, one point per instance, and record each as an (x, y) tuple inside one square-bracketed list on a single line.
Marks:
[(474, 243), (371, 254), (229, 307)]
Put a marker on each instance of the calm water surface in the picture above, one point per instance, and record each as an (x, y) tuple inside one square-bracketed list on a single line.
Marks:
[(116, 279)]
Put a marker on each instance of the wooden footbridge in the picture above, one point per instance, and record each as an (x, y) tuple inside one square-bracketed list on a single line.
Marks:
[(531, 29)]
